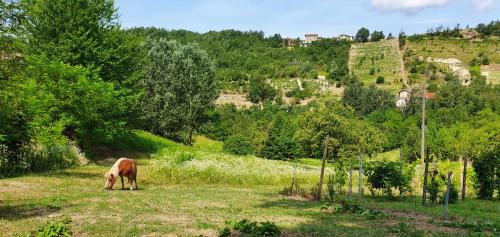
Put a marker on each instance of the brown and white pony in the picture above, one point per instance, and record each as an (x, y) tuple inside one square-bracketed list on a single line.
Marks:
[(122, 167)]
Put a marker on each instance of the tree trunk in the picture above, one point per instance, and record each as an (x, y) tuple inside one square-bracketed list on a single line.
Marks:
[(464, 178), (323, 163), (350, 183), (190, 136), (360, 184), (424, 187)]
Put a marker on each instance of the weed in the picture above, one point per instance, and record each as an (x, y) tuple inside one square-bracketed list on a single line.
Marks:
[(404, 229), (53, 229), (372, 214)]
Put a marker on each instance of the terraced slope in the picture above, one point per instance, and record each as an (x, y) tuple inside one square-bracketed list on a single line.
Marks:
[(371, 60)]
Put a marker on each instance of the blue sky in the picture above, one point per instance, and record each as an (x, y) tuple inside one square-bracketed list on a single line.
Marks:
[(294, 18)]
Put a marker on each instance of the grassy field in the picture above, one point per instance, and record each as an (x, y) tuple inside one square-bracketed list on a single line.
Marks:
[(184, 191), (382, 58), (461, 49)]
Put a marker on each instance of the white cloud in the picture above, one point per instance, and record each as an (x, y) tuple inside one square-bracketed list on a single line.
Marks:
[(409, 5), (483, 5)]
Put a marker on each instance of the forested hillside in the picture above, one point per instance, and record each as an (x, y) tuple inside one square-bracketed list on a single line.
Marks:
[(244, 57)]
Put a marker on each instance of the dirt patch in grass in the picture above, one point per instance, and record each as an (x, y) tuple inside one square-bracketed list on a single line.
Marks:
[(239, 100), (13, 186)]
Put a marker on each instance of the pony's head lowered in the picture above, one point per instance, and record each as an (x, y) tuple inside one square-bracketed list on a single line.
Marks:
[(110, 180)]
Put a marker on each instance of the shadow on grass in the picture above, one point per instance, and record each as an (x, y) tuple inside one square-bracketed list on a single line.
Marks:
[(326, 223), (16, 212), (291, 203)]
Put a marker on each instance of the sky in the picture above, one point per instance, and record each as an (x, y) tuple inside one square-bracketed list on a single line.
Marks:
[(294, 18)]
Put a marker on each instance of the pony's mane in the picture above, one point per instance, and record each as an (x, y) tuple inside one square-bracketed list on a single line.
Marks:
[(114, 169)]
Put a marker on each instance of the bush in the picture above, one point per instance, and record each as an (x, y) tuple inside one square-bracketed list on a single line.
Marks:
[(386, 175), (380, 80), (372, 71), (251, 228), (239, 145), (434, 187)]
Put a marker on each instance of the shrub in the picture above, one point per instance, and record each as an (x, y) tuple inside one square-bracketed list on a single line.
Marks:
[(380, 80), (386, 175), (434, 187), (372, 71), (413, 69), (239, 145), (251, 228)]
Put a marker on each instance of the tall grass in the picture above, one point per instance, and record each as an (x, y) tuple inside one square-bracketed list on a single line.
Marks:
[(38, 157), (206, 163)]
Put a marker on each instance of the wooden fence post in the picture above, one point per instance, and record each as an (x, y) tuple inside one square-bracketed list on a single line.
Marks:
[(447, 198)]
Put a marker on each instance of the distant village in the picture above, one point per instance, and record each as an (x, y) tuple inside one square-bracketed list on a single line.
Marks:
[(309, 38)]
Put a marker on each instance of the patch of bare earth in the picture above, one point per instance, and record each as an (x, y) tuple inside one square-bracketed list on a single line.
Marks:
[(12, 186), (420, 221), (491, 72), (239, 100)]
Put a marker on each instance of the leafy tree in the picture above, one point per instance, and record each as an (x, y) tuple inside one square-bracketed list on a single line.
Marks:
[(339, 69), (362, 35), (179, 87), (390, 36), (377, 36), (239, 145), (402, 39), (276, 41), (71, 101), (366, 100), (80, 32), (280, 143), (326, 127)]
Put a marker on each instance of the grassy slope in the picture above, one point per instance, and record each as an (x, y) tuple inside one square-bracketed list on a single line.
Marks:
[(163, 207), (389, 65), (462, 49)]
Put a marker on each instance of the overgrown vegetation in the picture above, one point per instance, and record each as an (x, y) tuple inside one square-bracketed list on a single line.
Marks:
[(250, 228)]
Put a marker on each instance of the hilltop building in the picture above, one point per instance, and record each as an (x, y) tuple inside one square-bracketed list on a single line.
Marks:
[(345, 37), (291, 42), (309, 38)]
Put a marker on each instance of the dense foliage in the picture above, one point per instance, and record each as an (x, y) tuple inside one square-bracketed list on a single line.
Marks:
[(487, 178), (179, 87), (238, 145), (386, 175)]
